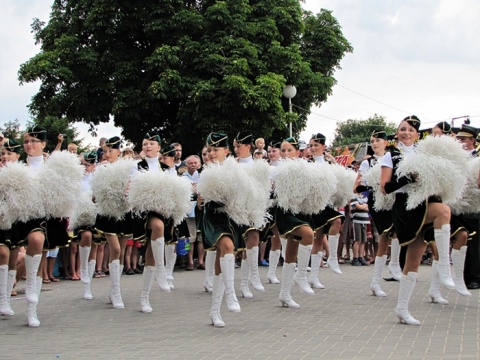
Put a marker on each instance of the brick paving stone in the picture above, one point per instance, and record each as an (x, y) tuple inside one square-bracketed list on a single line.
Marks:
[(343, 321)]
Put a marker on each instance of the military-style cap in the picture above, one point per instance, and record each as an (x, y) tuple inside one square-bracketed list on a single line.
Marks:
[(445, 127), (414, 121), (275, 144), (379, 134), (90, 157), (12, 146), (244, 138), (37, 132), (319, 138), (153, 135), (467, 131), (113, 142), (293, 141), (168, 150), (217, 139)]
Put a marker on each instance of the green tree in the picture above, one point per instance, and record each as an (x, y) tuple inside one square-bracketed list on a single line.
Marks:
[(11, 129), (55, 127), (357, 131), (186, 67)]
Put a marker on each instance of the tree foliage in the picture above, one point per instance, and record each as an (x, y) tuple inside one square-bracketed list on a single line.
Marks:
[(11, 129), (54, 127), (357, 131), (187, 67)]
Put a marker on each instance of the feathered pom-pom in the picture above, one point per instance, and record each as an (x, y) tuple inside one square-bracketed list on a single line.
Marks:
[(61, 181), (345, 181), (109, 186), (301, 187), (372, 178), (166, 194), (85, 212), (21, 191), (229, 184), (259, 173), (440, 165), (470, 200), (5, 218)]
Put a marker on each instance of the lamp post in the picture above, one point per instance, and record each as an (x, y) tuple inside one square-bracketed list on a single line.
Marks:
[(289, 92)]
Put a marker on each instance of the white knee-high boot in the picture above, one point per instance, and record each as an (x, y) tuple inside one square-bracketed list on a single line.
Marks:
[(32, 306), (148, 277), (244, 289), (31, 266), (394, 265), (377, 274), (209, 270), (227, 265), (87, 291), (315, 260), (272, 267), (158, 251), (5, 308), (116, 295), (407, 283), (285, 297), (434, 291), (458, 261), (10, 281), (442, 240), (170, 259), (300, 277), (84, 254), (332, 260), (253, 276), (12, 276), (217, 297)]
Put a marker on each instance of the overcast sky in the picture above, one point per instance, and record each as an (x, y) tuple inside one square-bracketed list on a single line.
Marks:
[(410, 57)]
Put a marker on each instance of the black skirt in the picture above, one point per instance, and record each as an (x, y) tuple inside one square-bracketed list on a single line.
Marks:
[(323, 219), (409, 224), (383, 219), (54, 230), (142, 233), (6, 239), (110, 226), (97, 238), (217, 224), (287, 222), (458, 223)]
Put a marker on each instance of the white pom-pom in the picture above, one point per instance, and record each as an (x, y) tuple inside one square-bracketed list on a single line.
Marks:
[(470, 200), (440, 165), (21, 192), (109, 186), (372, 178), (345, 181), (60, 179), (227, 183), (301, 187), (85, 212), (259, 173), (5, 218), (161, 192)]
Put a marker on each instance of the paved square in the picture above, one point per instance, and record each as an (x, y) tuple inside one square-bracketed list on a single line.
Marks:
[(343, 321)]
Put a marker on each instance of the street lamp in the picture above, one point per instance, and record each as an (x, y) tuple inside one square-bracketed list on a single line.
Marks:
[(289, 92)]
